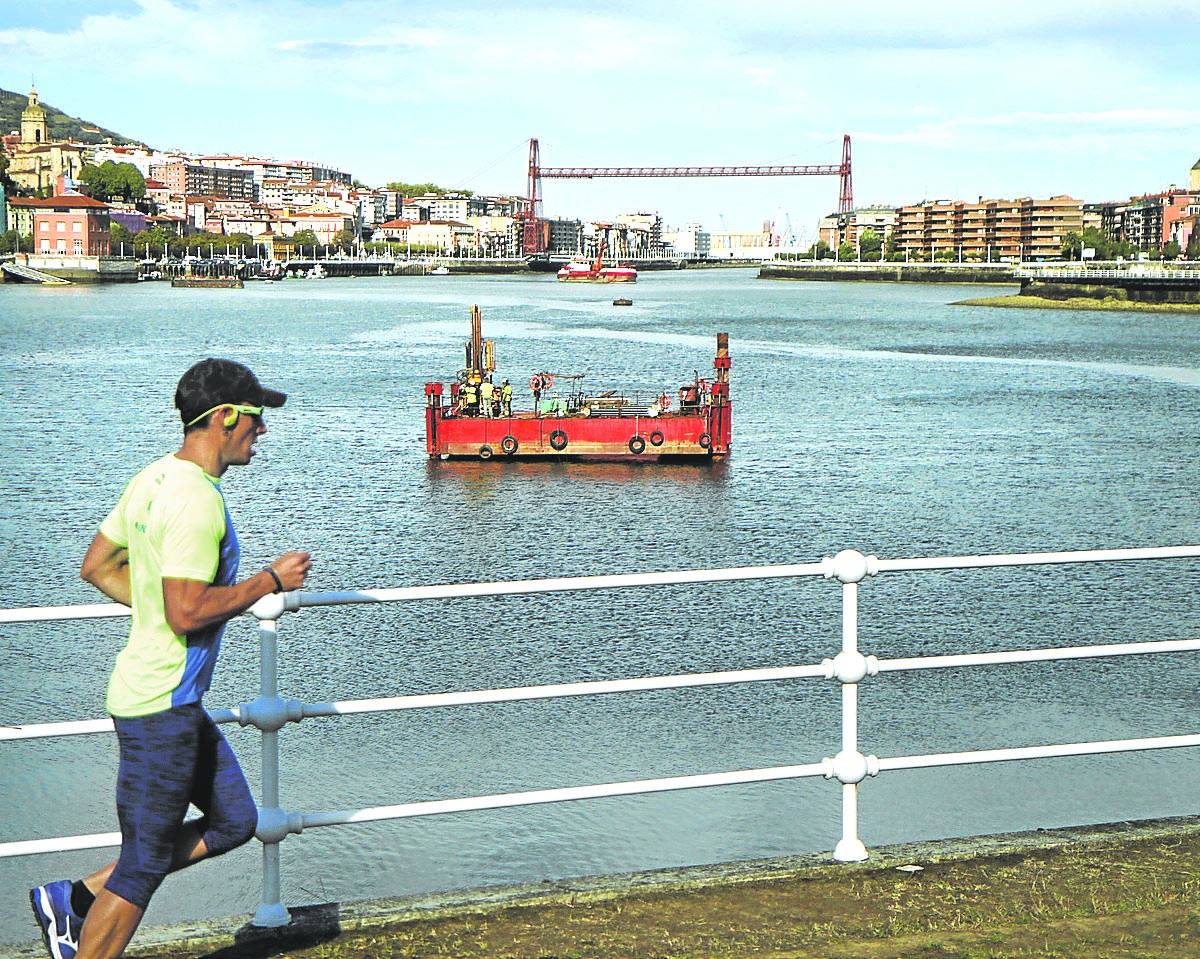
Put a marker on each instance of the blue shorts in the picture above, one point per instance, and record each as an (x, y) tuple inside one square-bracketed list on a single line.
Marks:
[(169, 760)]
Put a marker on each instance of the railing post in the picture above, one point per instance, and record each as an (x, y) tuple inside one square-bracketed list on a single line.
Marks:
[(849, 766), (269, 713), (271, 911)]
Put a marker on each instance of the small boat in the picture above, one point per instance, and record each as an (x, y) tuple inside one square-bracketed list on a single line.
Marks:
[(595, 271), (440, 271), (208, 282), (622, 301), (317, 272)]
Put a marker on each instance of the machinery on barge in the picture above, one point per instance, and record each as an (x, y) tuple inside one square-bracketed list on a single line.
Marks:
[(475, 418)]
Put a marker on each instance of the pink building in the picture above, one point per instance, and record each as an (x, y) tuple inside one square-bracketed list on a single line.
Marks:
[(72, 225)]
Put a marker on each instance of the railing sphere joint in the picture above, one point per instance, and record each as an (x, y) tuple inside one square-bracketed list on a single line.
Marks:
[(850, 667), (274, 605), (270, 713), (850, 566), (849, 767), (275, 825)]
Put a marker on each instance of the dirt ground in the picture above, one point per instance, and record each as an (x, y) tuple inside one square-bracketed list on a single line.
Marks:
[(1098, 900)]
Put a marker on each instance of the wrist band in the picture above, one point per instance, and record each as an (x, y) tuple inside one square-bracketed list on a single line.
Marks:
[(278, 582)]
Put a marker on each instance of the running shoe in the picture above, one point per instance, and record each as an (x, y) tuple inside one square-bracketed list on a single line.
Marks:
[(59, 924)]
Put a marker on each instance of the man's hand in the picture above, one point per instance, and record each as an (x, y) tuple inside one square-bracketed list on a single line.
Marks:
[(292, 569), (190, 605), (106, 566)]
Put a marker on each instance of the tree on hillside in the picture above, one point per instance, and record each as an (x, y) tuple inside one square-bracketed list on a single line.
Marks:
[(6, 182), (420, 189), (111, 180), (345, 240)]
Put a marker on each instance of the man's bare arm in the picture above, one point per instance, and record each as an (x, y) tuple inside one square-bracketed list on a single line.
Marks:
[(106, 566), (190, 604)]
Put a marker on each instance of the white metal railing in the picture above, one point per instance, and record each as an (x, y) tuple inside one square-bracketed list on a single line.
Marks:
[(1131, 273), (270, 712)]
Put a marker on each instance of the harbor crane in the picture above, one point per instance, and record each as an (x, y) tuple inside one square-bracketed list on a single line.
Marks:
[(534, 237)]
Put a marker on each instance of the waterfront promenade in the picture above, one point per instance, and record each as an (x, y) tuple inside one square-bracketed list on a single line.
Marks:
[(1127, 891)]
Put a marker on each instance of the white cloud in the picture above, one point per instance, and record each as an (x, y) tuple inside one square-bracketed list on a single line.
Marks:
[(940, 95)]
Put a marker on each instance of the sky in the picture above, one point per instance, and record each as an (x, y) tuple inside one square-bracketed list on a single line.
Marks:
[(943, 100)]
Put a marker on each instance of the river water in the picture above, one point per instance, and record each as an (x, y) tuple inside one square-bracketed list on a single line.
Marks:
[(872, 416)]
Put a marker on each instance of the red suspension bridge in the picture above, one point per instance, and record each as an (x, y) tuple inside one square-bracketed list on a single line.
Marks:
[(535, 236)]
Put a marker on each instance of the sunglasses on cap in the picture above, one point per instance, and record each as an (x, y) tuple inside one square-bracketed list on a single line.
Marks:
[(235, 410)]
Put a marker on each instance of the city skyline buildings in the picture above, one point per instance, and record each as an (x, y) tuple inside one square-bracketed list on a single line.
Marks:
[(945, 101)]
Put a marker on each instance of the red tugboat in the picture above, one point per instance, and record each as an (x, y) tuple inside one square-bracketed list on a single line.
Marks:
[(475, 421), (582, 271)]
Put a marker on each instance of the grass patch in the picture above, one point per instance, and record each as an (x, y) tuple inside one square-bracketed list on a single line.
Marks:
[(1017, 301), (1107, 899)]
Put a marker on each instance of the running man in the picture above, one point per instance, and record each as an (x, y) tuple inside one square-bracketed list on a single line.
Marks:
[(168, 550)]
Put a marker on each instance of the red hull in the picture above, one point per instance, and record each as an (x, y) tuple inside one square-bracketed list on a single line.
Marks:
[(604, 426), (700, 436)]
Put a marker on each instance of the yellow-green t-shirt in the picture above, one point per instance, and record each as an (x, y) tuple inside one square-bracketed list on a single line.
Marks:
[(173, 520)]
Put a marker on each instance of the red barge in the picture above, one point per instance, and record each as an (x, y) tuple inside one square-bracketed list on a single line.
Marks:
[(693, 425)]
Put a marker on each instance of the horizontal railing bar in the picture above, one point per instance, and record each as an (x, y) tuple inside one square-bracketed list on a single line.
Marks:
[(620, 580), (559, 690), (644, 786), (41, 614), (1037, 655), (559, 584), (31, 847), (536, 797), (600, 687), (1037, 559), (1036, 752), (84, 727)]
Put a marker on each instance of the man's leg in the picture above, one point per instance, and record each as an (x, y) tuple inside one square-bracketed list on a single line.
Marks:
[(112, 920), (189, 849), (218, 789), (222, 794), (155, 778)]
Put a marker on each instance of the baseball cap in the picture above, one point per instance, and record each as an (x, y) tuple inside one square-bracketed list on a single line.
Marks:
[(214, 381)]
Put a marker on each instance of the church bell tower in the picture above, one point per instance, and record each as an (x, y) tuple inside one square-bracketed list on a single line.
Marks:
[(34, 128)]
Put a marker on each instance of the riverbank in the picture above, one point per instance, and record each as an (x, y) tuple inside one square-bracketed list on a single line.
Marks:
[(890, 272), (1025, 302), (1124, 890)]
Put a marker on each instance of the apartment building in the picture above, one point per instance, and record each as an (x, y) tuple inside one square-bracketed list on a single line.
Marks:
[(691, 239), (647, 227), (298, 171), (1025, 228), (839, 228), (1146, 221), (496, 235), (19, 214), (195, 178), (562, 236)]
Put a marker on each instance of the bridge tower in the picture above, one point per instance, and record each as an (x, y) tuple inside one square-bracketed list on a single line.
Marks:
[(846, 196), (531, 234)]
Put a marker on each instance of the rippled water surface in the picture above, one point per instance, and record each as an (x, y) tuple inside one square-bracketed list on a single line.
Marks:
[(870, 416)]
